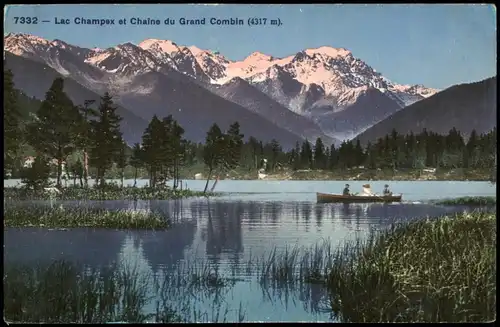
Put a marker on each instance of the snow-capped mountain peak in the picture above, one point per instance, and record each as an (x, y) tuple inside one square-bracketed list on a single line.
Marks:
[(329, 51), (256, 57), (166, 46), (25, 44), (197, 51), (314, 82)]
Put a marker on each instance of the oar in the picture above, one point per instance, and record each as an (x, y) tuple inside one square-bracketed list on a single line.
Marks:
[(378, 196)]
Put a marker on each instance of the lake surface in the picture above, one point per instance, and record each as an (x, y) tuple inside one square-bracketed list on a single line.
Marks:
[(251, 219)]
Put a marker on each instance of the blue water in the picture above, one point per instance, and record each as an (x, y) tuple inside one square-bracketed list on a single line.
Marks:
[(252, 218)]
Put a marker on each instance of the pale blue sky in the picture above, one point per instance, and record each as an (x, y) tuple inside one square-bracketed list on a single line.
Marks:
[(434, 45)]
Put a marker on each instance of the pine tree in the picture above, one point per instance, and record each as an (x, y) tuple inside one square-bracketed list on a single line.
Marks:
[(106, 139), (77, 170), (121, 161), (333, 160), (370, 157), (230, 145), (53, 133), (136, 160), (472, 150), (319, 154), (11, 118), (359, 154), (234, 142), (177, 145), (254, 145), (152, 143), (84, 134), (306, 155), (213, 152), (297, 161), (276, 150), (37, 176)]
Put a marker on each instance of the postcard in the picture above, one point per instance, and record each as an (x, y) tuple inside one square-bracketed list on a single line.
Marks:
[(250, 163)]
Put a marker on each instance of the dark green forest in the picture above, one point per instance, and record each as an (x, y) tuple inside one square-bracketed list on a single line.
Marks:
[(56, 129)]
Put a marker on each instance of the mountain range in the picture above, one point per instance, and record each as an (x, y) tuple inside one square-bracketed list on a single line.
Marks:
[(324, 92), (465, 107)]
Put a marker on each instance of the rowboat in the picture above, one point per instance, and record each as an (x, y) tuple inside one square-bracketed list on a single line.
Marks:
[(329, 198)]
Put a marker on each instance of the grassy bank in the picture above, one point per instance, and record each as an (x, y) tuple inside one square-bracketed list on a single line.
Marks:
[(469, 201), (108, 193), (73, 217), (441, 270), (64, 292)]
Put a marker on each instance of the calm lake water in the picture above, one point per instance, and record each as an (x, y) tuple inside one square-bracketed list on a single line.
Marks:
[(226, 232)]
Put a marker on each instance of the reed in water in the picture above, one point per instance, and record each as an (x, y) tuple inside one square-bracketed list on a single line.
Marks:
[(469, 201), (109, 192), (439, 270), (75, 217), (67, 292)]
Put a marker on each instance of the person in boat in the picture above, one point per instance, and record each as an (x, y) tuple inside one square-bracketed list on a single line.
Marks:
[(386, 191), (367, 190), (346, 190)]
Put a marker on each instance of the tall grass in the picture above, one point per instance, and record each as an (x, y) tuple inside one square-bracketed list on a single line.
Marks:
[(469, 200), (39, 216), (440, 270), (65, 292), (294, 265), (110, 192)]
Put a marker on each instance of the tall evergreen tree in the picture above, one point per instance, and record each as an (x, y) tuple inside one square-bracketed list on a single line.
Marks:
[(53, 132), (37, 176), (297, 161), (333, 160), (84, 134), (254, 145), (136, 160), (152, 145), (178, 149), (122, 161), (106, 139), (233, 140), (359, 156), (306, 155), (276, 150), (319, 154), (11, 119), (77, 170), (213, 152)]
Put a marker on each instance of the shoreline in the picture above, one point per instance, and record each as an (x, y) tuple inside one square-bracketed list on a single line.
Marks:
[(349, 174), (361, 174)]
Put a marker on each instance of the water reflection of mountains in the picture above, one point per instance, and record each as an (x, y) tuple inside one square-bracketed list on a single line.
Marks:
[(223, 229)]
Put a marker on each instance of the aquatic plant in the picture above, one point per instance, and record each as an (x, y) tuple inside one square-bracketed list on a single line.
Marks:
[(439, 270), (110, 192), (72, 217), (294, 265), (469, 201), (66, 292)]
